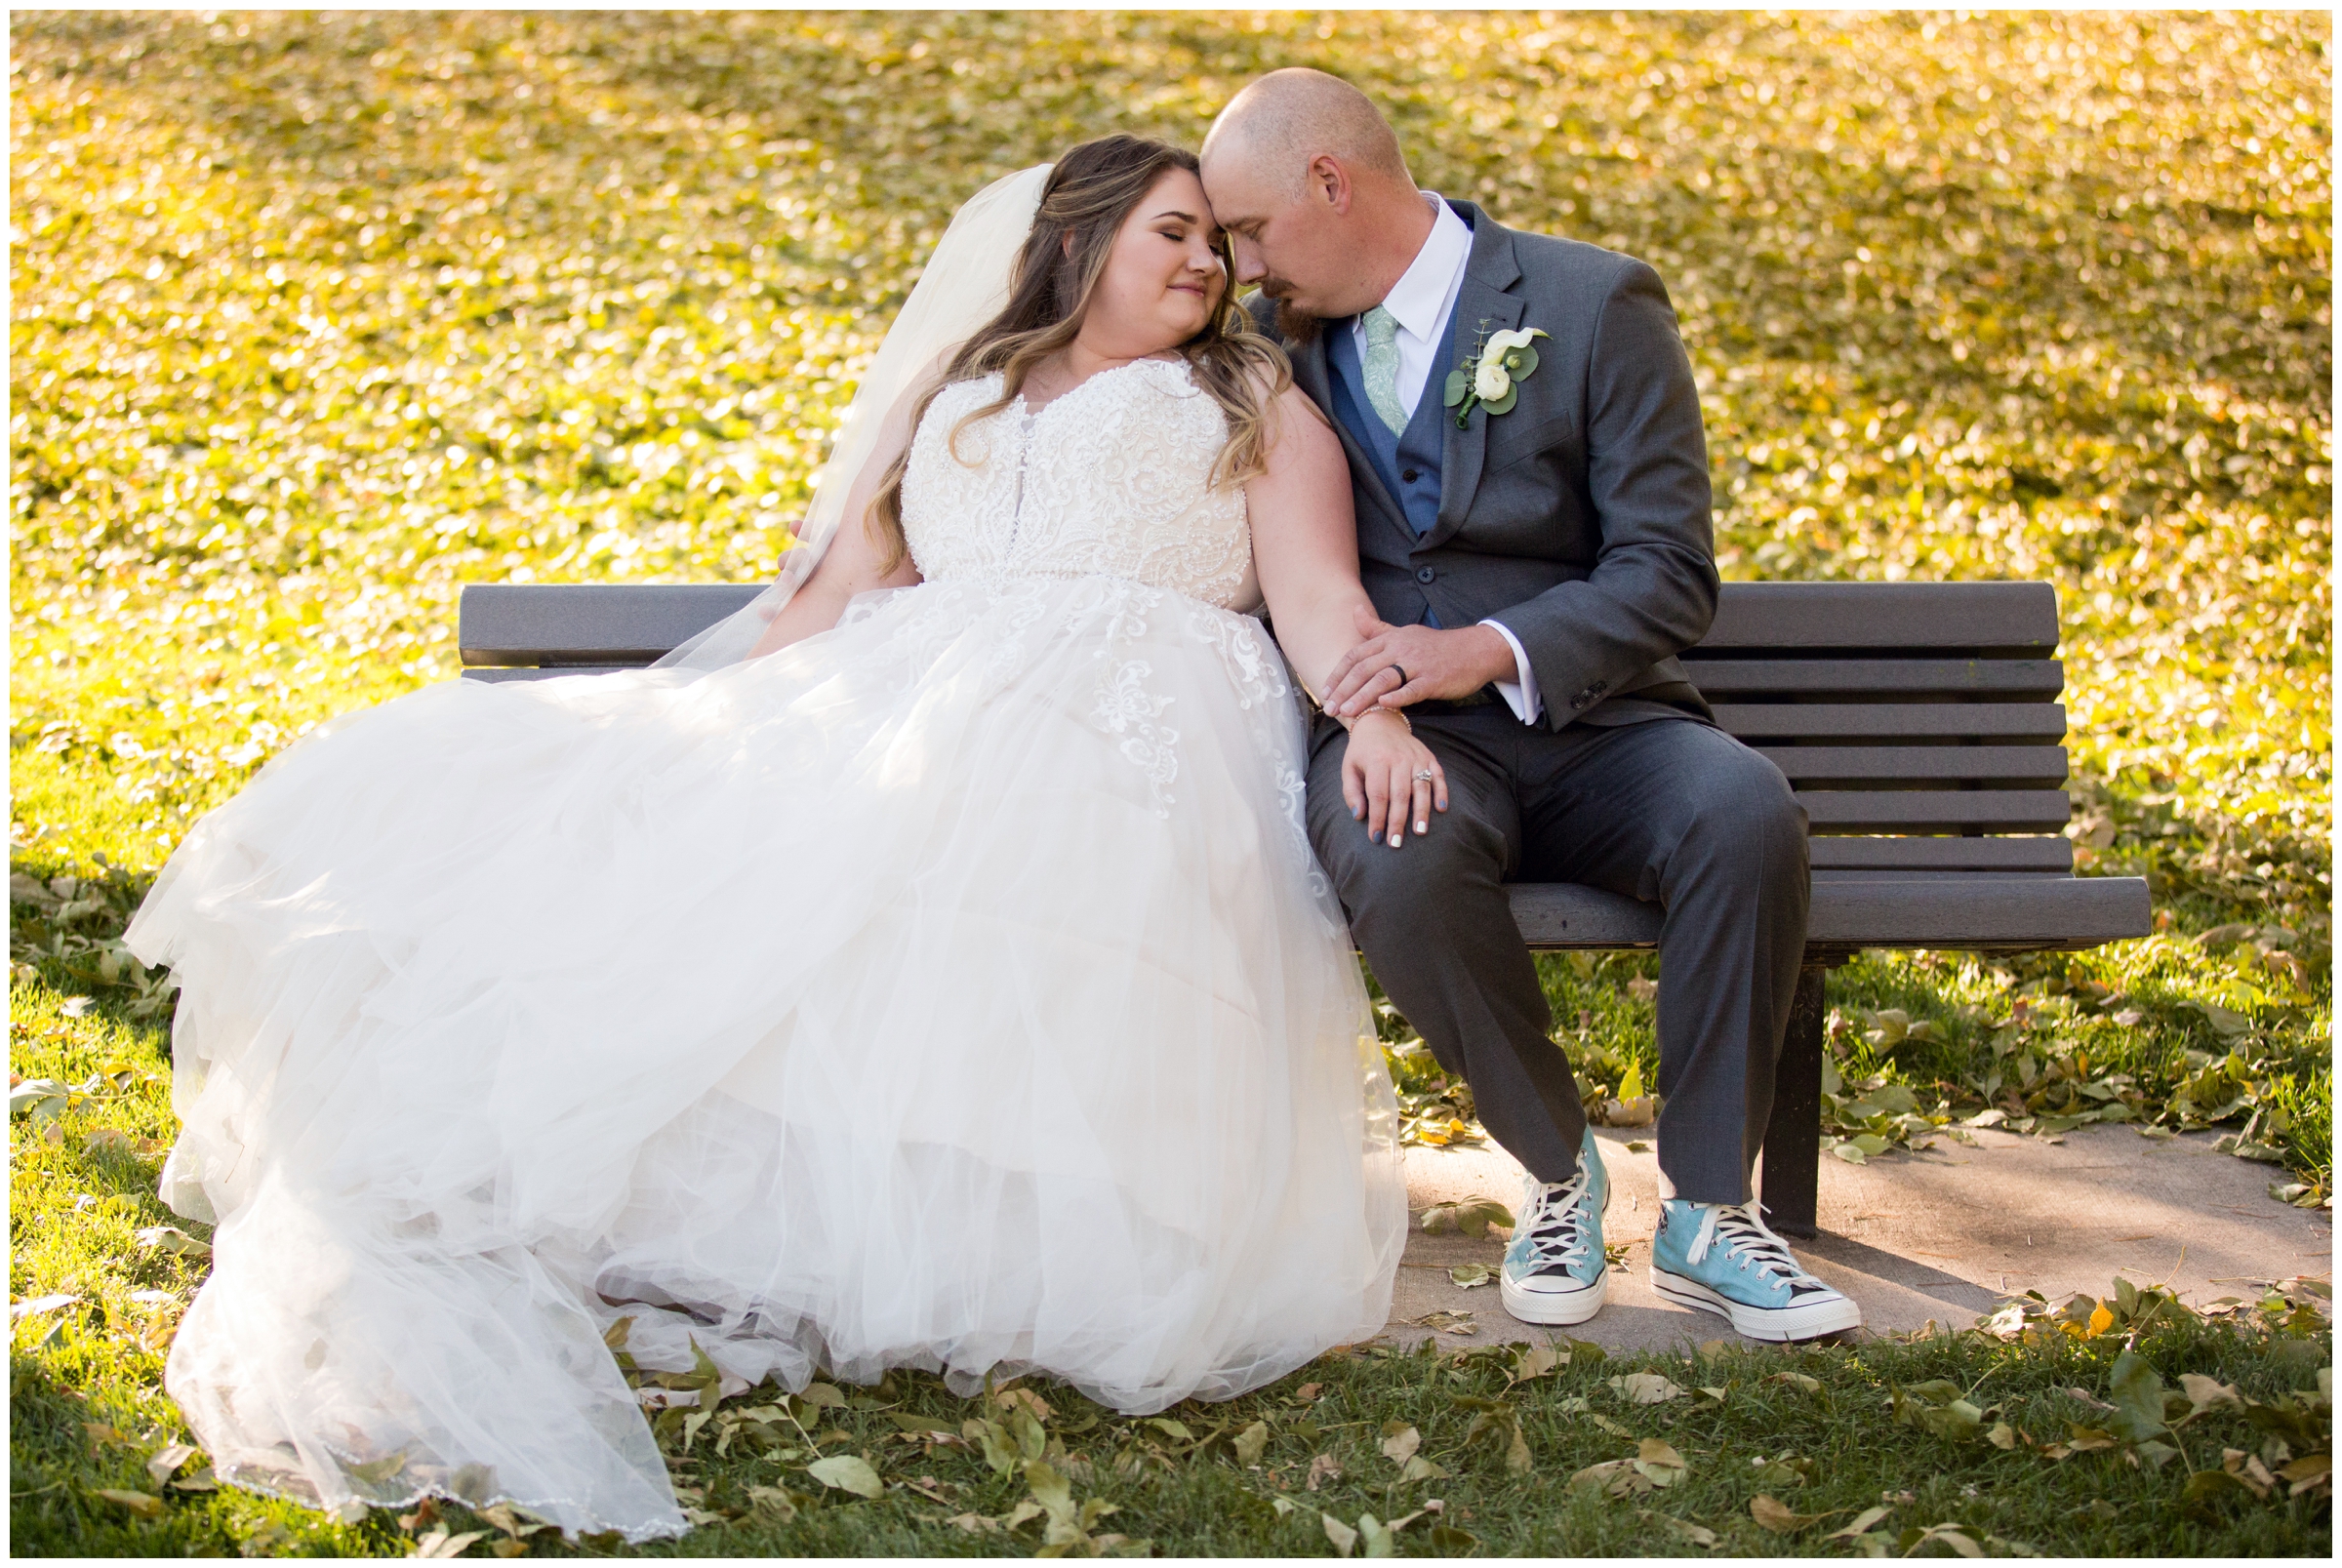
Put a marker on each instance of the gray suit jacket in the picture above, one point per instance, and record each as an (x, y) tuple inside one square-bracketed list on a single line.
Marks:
[(1579, 518)]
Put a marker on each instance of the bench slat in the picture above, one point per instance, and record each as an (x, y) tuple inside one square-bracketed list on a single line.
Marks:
[(2003, 722), (2040, 767), (1922, 811), (1831, 852), (1998, 617), (497, 677), (1953, 910), (589, 624), (1882, 677), (635, 622)]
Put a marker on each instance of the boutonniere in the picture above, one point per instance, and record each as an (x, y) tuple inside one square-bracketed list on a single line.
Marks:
[(1491, 377)]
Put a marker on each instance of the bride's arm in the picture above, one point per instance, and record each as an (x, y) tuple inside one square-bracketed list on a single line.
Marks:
[(1305, 545), (853, 563)]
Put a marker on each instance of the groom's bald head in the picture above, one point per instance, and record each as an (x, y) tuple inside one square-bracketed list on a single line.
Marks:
[(1279, 123), (1307, 179)]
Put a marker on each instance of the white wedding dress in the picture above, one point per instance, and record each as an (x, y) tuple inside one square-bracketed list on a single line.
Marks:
[(955, 989)]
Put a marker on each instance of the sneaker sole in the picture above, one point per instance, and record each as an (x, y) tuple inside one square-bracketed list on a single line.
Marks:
[(1778, 1324), (1549, 1310)]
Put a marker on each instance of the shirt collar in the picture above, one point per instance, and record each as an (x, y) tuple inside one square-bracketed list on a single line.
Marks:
[(1417, 300)]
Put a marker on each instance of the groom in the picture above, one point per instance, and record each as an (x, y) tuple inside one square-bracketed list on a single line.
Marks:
[(1537, 565)]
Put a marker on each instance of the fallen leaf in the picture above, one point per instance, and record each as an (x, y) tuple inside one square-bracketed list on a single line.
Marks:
[(1446, 1322), (167, 1460), (1697, 1534), (1616, 1478), (1251, 1443), (975, 1524), (1468, 1276), (18, 1312), (1324, 1469), (439, 1544), (1950, 1534), (379, 1469), (1023, 1399), (1451, 1540), (1646, 1387), (1400, 1445), (848, 1473), (2209, 1394), (144, 1505), (1535, 1361), (168, 1238), (1340, 1535), (1778, 1517), (1862, 1523), (1420, 1469), (1377, 1536), (1659, 1463)]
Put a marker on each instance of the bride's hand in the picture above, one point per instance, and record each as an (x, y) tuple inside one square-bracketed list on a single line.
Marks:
[(1385, 772)]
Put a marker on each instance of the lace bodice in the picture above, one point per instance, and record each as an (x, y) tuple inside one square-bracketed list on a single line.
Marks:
[(1111, 480)]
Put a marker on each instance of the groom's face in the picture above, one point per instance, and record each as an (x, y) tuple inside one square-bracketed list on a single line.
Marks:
[(1291, 246)]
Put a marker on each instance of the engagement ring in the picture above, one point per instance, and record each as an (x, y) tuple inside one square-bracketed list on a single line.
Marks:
[(1424, 776)]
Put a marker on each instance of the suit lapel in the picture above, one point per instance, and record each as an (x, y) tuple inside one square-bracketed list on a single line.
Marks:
[(1481, 304), (1314, 375)]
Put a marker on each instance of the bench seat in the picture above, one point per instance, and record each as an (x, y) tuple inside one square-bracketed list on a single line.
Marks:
[(1918, 724)]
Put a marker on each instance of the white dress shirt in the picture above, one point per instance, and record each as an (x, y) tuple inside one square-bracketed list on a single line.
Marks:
[(1421, 301)]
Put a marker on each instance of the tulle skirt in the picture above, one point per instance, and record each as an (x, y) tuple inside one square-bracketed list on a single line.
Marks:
[(955, 989)]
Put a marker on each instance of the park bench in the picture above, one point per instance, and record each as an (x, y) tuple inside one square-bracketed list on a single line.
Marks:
[(1919, 723)]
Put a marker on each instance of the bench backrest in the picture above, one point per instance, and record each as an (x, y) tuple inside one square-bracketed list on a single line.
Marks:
[(1918, 722)]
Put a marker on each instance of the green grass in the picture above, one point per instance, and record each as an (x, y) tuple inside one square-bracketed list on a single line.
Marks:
[(86, 1414), (314, 318)]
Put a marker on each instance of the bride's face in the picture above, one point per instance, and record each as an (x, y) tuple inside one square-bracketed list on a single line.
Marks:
[(1163, 278)]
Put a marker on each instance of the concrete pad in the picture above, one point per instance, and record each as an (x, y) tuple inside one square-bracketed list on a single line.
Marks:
[(1944, 1235)]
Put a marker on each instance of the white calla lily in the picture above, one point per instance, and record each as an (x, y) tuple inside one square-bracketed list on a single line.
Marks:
[(1501, 344)]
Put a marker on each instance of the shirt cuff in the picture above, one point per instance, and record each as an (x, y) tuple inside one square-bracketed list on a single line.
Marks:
[(1520, 696)]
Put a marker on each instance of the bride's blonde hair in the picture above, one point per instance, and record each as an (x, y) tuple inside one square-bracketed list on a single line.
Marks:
[(1091, 191)]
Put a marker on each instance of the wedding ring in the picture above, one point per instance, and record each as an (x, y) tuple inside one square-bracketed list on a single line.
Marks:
[(1423, 777), (1402, 673)]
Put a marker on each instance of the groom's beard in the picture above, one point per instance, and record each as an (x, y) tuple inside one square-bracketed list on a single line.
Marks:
[(1293, 325), (1297, 326)]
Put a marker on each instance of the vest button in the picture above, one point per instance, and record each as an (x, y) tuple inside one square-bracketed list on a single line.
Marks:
[(1423, 574), (1410, 475)]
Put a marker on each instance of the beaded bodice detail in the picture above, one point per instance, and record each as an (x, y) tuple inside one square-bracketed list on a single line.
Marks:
[(1111, 480)]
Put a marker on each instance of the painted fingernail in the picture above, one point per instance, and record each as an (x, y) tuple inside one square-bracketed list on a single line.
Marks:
[(1422, 826), (1398, 840)]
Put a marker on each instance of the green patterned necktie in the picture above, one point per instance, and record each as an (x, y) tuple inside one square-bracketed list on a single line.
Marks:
[(1381, 366)]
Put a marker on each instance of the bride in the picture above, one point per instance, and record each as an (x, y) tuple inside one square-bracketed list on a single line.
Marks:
[(926, 968)]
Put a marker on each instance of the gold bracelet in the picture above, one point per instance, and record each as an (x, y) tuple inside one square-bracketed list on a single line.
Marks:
[(1396, 714)]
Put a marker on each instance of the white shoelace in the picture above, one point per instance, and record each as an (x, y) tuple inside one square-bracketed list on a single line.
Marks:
[(1742, 1229), (1556, 1228)]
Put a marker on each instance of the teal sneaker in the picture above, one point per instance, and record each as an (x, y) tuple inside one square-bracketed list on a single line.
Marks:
[(1555, 1272), (1720, 1259)]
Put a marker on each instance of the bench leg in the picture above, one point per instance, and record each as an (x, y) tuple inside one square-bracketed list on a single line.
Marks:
[(1792, 1139)]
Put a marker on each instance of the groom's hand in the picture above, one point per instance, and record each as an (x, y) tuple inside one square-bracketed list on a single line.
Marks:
[(1435, 664)]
